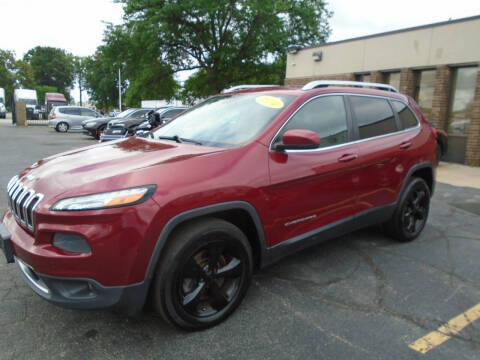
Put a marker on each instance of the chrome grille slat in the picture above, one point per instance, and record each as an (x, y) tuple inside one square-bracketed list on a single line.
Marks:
[(22, 201), (11, 183)]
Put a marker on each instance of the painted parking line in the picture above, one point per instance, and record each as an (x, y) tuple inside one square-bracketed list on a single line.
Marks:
[(444, 332)]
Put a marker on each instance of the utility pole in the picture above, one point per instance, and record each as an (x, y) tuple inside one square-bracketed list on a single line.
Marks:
[(80, 87), (119, 91)]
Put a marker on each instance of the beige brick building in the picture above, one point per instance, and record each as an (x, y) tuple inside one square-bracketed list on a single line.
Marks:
[(436, 64)]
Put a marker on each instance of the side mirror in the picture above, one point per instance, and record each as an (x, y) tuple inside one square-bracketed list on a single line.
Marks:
[(298, 139)]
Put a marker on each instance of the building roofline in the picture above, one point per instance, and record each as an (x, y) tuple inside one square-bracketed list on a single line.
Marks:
[(447, 22)]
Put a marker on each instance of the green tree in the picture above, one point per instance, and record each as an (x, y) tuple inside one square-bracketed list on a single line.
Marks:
[(42, 89), (51, 67), (137, 54), (101, 80), (230, 41), (7, 74), (25, 76)]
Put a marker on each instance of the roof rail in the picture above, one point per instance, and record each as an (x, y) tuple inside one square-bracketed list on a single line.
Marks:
[(245, 87), (324, 83)]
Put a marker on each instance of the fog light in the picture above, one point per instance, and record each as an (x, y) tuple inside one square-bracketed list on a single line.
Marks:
[(71, 243)]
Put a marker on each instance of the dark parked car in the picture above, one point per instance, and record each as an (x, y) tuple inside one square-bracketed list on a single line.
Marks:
[(117, 129), (94, 127), (235, 183)]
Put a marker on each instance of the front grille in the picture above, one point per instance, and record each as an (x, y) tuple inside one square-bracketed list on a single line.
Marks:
[(22, 201)]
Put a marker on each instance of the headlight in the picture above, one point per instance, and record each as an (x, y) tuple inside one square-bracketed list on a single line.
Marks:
[(89, 124), (106, 200)]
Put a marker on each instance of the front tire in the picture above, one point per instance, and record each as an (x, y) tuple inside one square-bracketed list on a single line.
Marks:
[(99, 131), (411, 213), (203, 275), (62, 127)]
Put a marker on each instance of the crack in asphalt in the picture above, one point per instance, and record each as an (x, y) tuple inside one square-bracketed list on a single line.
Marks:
[(306, 318)]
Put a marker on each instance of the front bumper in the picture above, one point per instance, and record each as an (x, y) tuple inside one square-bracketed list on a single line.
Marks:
[(90, 131), (84, 294), (112, 275), (76, 292)]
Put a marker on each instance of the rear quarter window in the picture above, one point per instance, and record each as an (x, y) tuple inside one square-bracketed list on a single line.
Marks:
[(374, 116), (406, 116)]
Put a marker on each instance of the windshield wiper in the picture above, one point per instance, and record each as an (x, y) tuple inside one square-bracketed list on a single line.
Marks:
[(179, 139)]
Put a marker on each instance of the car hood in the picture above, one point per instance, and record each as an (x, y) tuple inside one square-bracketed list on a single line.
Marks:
[(106, 166)]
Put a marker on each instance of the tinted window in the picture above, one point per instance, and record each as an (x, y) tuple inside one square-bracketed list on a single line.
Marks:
[(88, 112), (407, 119), (326, 116), (171, 113), (139, 113), (374, 116), (70, 111)]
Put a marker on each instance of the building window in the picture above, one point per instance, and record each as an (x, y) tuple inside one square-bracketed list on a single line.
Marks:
[(462, 96), (424, 88), (392, 79), (362, 77)]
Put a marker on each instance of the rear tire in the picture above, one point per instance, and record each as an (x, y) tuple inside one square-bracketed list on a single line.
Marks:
[(203, 274), (411, 213), (62, 127)]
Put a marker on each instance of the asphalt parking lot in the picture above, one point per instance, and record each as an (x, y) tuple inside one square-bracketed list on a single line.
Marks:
[(362, 296)]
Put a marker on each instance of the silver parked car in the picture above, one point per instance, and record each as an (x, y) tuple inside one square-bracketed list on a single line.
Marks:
[(64, 118)]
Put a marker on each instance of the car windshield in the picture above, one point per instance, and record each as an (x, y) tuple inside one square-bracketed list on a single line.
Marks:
[(2, 101), (225, 121), (28, 101), (125, 113)]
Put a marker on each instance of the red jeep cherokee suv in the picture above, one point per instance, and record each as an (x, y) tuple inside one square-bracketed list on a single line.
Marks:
[(236, 182)]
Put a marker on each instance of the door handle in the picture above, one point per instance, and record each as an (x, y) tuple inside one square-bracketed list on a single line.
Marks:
[(347, 157), (405, 145)]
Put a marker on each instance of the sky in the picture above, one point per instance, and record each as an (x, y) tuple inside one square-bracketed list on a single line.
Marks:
[(77, 26)]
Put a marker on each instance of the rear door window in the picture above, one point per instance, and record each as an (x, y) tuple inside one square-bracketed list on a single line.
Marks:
[(324, 115), (374, 116), (88, 112), (406, 116), (171, 113), (70, 111)]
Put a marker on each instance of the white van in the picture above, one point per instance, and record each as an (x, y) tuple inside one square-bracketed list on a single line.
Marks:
[(3, 109), (29, 97)]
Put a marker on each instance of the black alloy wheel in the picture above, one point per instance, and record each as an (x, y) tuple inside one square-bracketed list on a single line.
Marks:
[(414, 213), (411, 213), (203, 274), (209, 280)]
